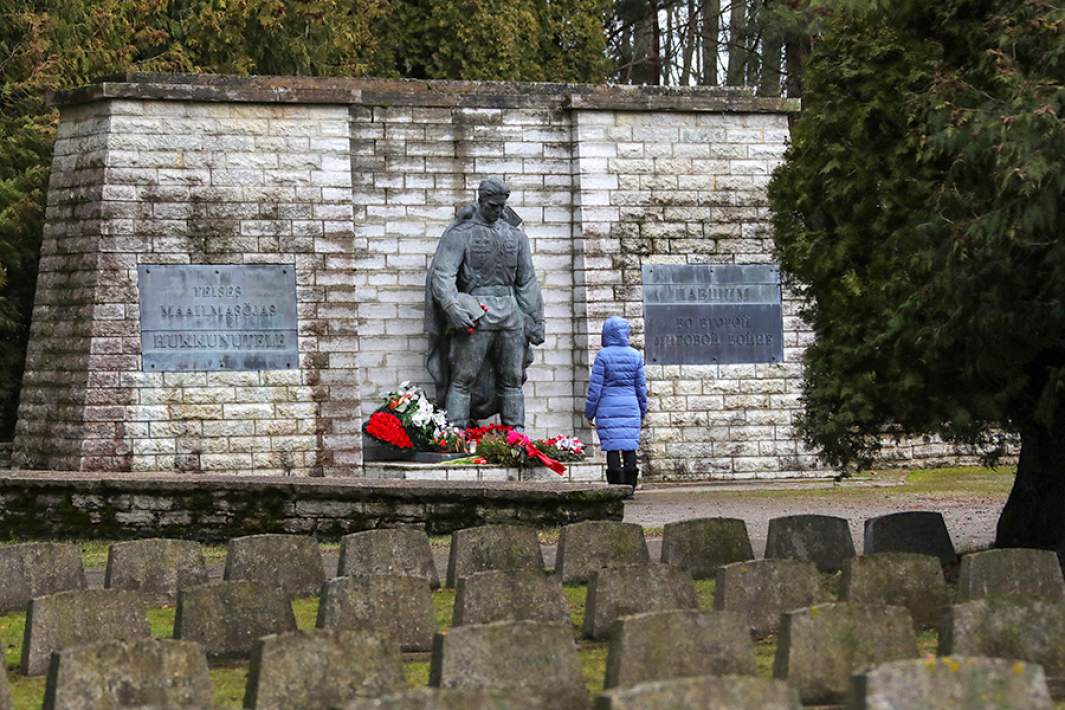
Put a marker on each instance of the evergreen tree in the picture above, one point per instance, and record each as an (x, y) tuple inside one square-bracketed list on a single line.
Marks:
[(921, 212)]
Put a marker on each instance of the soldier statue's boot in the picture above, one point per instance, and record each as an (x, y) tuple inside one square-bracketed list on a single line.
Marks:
[(512, 408), (458, 408)]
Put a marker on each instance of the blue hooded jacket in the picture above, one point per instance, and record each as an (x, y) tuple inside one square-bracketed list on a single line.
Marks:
[(617, 392)]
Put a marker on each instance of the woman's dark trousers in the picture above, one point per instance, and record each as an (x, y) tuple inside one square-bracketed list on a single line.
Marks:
[(621, 467)]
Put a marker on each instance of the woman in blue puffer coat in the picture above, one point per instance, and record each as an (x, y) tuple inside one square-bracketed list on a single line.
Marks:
[(617, 401)]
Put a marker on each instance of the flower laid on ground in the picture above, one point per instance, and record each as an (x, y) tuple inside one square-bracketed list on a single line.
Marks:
[(387, 428), (563, 448), (424, 424)]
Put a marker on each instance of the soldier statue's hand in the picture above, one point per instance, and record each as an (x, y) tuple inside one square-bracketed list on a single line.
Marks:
[(534, 333), (458, 319)]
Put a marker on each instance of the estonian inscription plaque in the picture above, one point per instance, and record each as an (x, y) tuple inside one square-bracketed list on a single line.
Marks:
[(216, 317), (703, 314)]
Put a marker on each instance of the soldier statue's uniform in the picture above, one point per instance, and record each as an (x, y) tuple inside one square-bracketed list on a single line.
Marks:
[(483, 310)]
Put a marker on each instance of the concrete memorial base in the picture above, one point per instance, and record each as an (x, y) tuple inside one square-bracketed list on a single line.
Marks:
[(217, 508)]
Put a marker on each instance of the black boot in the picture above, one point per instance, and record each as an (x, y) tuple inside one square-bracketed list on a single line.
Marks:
[(631, 474), (615, 476)]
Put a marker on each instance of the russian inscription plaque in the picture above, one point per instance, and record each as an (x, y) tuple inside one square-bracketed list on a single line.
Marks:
[(217, 317), (700, 314)]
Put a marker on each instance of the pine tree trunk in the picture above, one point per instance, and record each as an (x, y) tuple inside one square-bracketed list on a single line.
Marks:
[(737, 41), (1034, 514), (711, 10), (796, 51)]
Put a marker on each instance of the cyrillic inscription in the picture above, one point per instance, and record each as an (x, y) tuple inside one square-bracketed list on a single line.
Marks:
[(705, 314), (224, 317)]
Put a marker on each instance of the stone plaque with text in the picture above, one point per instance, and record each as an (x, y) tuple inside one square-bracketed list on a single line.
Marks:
[(217, 317), (700, 314)]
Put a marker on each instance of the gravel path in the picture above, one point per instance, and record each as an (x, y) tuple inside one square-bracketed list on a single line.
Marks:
[(970, 518)]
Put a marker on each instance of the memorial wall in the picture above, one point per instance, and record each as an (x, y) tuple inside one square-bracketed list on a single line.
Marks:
[(233, 270)]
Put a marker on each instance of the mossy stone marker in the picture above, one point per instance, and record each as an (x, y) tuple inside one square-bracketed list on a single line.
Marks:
[(291, 563), (399, 551), (321, 669), (227, 618), (584, 548), (762, 590), (702, 545), (633, 589), (677, 643), (898, 578), (951, 683), (492, 547), (36, 569), (67, 619), (521, 658), (822, 646), (156, 568), (141, 673), (400, 608), (707, 691), (509, 595)]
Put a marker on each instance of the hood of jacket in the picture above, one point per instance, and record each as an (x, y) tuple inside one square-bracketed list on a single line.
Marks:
[(615, 331)]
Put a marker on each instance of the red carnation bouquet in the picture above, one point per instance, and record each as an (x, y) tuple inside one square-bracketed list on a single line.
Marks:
[(387, 428)]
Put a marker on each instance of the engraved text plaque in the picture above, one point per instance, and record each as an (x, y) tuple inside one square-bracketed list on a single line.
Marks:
[(704, 314), (217, 317)]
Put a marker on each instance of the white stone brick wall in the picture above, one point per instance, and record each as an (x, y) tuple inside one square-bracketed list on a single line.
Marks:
[(411, 168), (193, 183)]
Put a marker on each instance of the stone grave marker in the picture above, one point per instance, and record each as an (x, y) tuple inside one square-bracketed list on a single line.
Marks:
[(632, 589), (36, 569), (762, 590), (898, 578), (322, 669), (156, 568), (1031, 630), (5, 691), (922, 532), (1018, 571), (449, 699), (516, 657), (397, 551), (292, 563), (707, 691), (672, 644), (228, 617), (584, 548), (702, 545), (820, 647), (142, 673), (824, 540), (58, 621), (509, 595), (951, 683), (400, 608), (492, 547)]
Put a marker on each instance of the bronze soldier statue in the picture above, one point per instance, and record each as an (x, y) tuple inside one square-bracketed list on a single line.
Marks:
[(483, 312)]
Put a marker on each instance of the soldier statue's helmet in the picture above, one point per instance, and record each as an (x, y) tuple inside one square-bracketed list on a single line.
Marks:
[(490, 187)]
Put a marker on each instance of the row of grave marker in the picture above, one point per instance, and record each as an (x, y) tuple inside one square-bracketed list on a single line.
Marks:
[(822, 657), (294, 562)]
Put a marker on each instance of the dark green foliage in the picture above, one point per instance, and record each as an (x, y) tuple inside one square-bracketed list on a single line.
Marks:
[(921, 206)]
